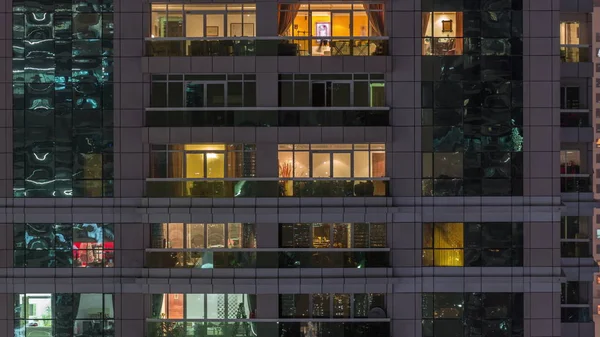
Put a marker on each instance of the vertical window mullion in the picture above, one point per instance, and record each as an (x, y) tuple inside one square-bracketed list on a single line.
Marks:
[(205, 230)]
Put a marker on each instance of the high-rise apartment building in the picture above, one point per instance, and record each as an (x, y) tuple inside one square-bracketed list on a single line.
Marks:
[(416, 168)]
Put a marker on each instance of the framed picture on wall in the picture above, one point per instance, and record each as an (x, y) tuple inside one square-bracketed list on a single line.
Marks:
[(212, 31), (446, 26), (236, 29)]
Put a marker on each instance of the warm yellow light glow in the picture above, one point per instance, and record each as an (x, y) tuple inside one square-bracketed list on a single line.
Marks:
[(204, 147), (211, 155)]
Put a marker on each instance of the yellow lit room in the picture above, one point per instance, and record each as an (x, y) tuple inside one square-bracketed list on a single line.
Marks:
[(442, 33), (336, 23)]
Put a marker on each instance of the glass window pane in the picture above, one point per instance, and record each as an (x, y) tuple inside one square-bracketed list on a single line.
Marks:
[(195, 235), (194, 95), (234, 24), (301, 165), (341, 165), (214, 305), (320, 306), (341, 94), (321, 235), (377, 164), (286, 164), (234, 94), (321, 165), (301, 93), (175, 235), (286, 236), (361, 164), (215, 94), (194, 26), (216, 236), (215, 25), (173, 26), (342, 236), (175, 306), (194, 165), (448, 235), (215, 165), (341, 305), (303, 235), (195, 306), (234, 235)]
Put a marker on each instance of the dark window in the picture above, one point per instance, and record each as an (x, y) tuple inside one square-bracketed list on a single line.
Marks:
[(472, 314)]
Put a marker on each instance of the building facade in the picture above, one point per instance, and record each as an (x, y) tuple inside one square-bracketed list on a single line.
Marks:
[(298, 169)]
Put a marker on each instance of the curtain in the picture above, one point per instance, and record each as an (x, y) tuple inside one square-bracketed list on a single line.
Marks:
[(287, 14), (458, 41), (175, 168), (425, 18), (157, 302), (376, 18), (424, 23)]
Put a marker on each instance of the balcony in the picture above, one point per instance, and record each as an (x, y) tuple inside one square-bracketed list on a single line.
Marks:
[(275, 327), (267, 116), (266, 46), (574, 118), (268, 258), (575, 183), (574, 53), (265, 187)]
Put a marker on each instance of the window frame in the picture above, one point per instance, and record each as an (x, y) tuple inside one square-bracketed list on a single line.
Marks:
[(372, 148), (294, 227), (167, 150), (309, 8), (372, 80), (226, 309), (428, 247), (371, 298), (245, 79), (166, 227), (246, 9)]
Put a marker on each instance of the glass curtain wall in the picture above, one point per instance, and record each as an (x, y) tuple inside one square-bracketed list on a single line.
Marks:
[(63, 245), (472, 98), (62, 99), (472, 314)]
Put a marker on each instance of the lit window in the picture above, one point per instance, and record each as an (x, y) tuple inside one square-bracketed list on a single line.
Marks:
[(331, 160), (201, 236), (203, 20), (317, 25), (201, 161), (442, 33)]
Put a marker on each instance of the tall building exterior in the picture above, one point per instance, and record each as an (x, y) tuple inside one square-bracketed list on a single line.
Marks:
[(299, 169)]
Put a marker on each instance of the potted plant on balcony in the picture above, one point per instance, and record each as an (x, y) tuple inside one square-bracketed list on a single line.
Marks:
[(167, 329), (286, 186)]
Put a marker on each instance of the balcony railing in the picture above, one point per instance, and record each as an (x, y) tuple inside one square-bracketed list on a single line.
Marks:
[(267, 116), (574, 118), (575, 183), (268, 258), (574, 53), (267, 46), (277, 327), (266, 187)]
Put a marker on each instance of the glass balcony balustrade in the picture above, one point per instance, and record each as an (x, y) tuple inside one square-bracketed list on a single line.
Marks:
[(269, 327), (263, 46), (259, 117), (266, 187), (268, 258)]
